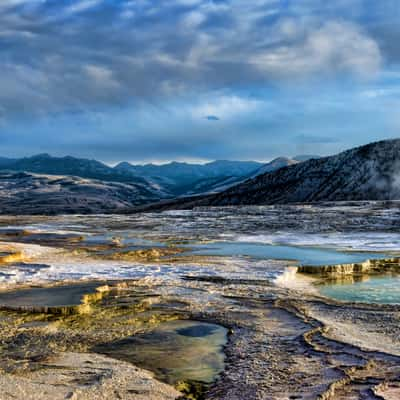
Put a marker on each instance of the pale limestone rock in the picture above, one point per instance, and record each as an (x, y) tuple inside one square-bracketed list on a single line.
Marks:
[(81, 376)]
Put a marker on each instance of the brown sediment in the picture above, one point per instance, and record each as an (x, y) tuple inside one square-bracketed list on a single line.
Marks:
[(11, 253), (191, 390), (147, 255), (11, 256), (154, 255), (121, 253)]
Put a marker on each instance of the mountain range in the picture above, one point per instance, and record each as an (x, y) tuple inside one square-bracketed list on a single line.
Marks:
[(181, 178), (45, 184), (369, 172), (169, 180)]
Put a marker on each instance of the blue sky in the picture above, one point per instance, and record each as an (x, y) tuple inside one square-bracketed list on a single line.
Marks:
[(143, 80)]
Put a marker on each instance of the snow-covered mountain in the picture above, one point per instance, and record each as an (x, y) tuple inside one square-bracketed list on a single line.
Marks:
[(305, 157), (183, 178), (46, 184), (173, 179), (185, 171), (274, 165), (370, 172)]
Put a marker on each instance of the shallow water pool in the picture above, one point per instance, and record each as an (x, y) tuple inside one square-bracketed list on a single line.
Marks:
[(175, 351), (56, 296), (302, 255), (367, 289)]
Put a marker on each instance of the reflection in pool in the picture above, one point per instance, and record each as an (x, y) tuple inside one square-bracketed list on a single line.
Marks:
[(367, 289), (175, 351)]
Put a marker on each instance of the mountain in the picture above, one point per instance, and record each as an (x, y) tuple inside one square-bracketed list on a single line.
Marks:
[(219, 185), (185, 171), (173, 179), (28, 193), (183, 178), (170, 180), (53, 192), (274, 165), (304, 157), (84, 168), (210, 185), (370, 172), (181, 171)]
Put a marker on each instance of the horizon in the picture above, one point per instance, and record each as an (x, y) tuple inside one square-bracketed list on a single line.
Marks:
[(197, 79), (161, 162), (194, 161)]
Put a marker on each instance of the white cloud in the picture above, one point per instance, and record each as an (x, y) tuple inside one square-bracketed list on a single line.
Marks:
[(82, 5), (226, 107), (333, 47), (102, 76), (193, 19)]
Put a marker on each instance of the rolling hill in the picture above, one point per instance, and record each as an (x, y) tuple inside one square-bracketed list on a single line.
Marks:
[(28, 193)]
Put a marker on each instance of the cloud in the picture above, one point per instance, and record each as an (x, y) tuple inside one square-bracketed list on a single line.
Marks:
[(227, 107), (331, 48), (140, 79), (81, 6), (94, 53), (264, 127), (102, 76), (14, 3)]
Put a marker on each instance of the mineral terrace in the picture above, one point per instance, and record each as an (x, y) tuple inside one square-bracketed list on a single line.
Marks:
[(121, 308)]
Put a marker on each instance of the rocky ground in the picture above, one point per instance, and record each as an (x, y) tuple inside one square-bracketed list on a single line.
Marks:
[(282, 344), (87, 377)]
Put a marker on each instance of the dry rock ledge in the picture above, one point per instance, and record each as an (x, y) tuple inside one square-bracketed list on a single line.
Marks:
[(373, 266)]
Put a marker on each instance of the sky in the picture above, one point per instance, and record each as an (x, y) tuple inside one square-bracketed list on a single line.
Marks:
[(197, 80)]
